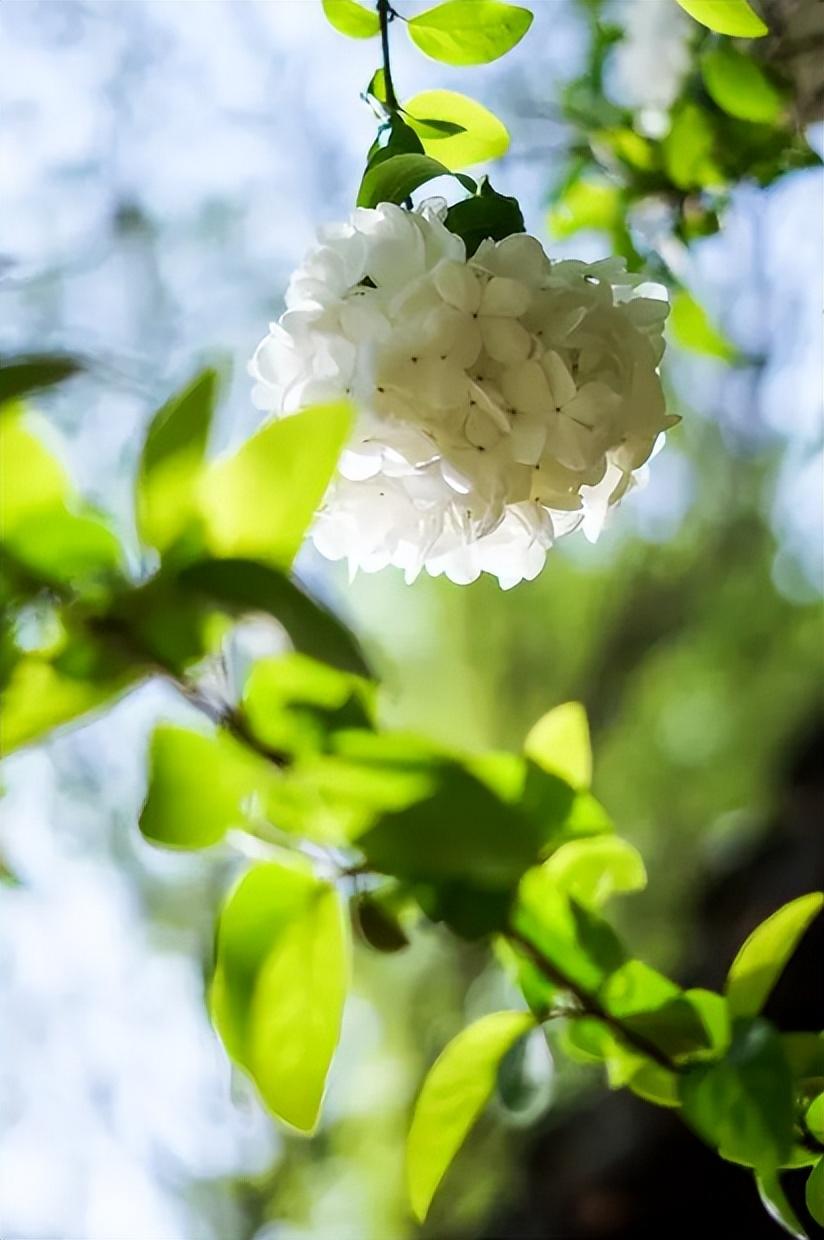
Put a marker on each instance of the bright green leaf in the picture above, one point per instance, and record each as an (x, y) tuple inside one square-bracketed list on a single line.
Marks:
[(654, 1008), (200, 786), (352, 19), (592, 870), (586, 204), (744, 1104), (453, 1094), (485, 137), (814, 1118), (245, 586), (573, 939), (733, 17), (693, 329), (762, 959), (776, 1204), (260, 501), (559, 743), (21, 375), (171, 463), (740, 86), (814, 1192), (469, 32), (61, 546), (377, 86), (31, 479), (394, 179), (292, 703)]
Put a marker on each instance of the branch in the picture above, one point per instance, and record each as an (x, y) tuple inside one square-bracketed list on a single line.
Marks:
[(386, 13), (590, 1005)]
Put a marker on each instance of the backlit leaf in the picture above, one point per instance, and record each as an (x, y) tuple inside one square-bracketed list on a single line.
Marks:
[(740, 86), (814, 1192), (693, 329), (485, 137), (469, 32), (762, 959), (453, 1094), (352, 19), (559, 743), (592, 870), (733, 17)]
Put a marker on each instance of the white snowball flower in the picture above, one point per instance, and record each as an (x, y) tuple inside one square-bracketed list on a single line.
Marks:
[(503, 400)]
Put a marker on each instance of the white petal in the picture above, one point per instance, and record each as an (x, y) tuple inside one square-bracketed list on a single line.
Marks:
[(526, 388), (527, 438), (503, 296), (505, 340), (458, 286), (561, 382)]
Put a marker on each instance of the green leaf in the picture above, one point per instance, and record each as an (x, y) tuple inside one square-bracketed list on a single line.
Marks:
[(693, 329), (485, 137), (42, 694), (740, 86), (352, 19), (31, 479), (776, 1204), (654, 1008), (744, 1104), (172, 461), (733, 17), (454, 1093), (430, 128), (762, 959), (814, 1192), (592, 870), (20, 376), (814, 1118), (395, 178), (469, 32), (279, 986), (575, 942), (461, 831), (259, 502), (486, 216), (586, 204), (559, 743), (377, 86), (292, 703), (200, 786), (245, 586), (689, 149)]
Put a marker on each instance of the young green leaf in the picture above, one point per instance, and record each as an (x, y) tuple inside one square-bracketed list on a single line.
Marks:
[(576, 942), (172, 461), (693, 329), (484, 137), (762, 959), (740, 86), (279, 986), (469, 32), (31, 479), (775, 1202), (733, 17), (594, 869), (814, 1192), (293, 704), (19, 376), (259, 502), (352, 19), (247, 586), (744, 1104), (199, 787), (559, 743), (453, 1095), (377, 86)]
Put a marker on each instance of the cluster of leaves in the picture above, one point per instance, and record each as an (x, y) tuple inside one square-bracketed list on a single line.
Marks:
[(732, 121), (379, 830)]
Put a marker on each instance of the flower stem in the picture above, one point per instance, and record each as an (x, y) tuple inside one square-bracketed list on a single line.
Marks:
[(385, 14)]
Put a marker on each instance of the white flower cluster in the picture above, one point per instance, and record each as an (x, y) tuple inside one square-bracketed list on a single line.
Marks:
[(503, 401)]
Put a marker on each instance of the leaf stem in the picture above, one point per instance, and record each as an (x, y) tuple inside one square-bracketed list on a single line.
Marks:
[(590, 1005), (385, 14)]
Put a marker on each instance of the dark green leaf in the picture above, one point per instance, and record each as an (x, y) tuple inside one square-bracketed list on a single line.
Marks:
[(21, 375), (394, 179), (814, 1192), (486, 216), (776, 1204), (244, 586), (744, 1105), (469, 32), (379, 924)]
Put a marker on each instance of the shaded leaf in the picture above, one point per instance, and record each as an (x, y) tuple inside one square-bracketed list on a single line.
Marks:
[(776, 1204), (245, 586), (487, 215), (469, 32), (762, 959), (454, 1093), (394, 179), (19, 376)]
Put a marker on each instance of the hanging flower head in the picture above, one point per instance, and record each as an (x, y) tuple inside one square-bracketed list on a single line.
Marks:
[(504, 400)]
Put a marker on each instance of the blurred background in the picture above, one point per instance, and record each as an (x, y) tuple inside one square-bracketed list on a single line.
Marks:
[(164, 164)]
